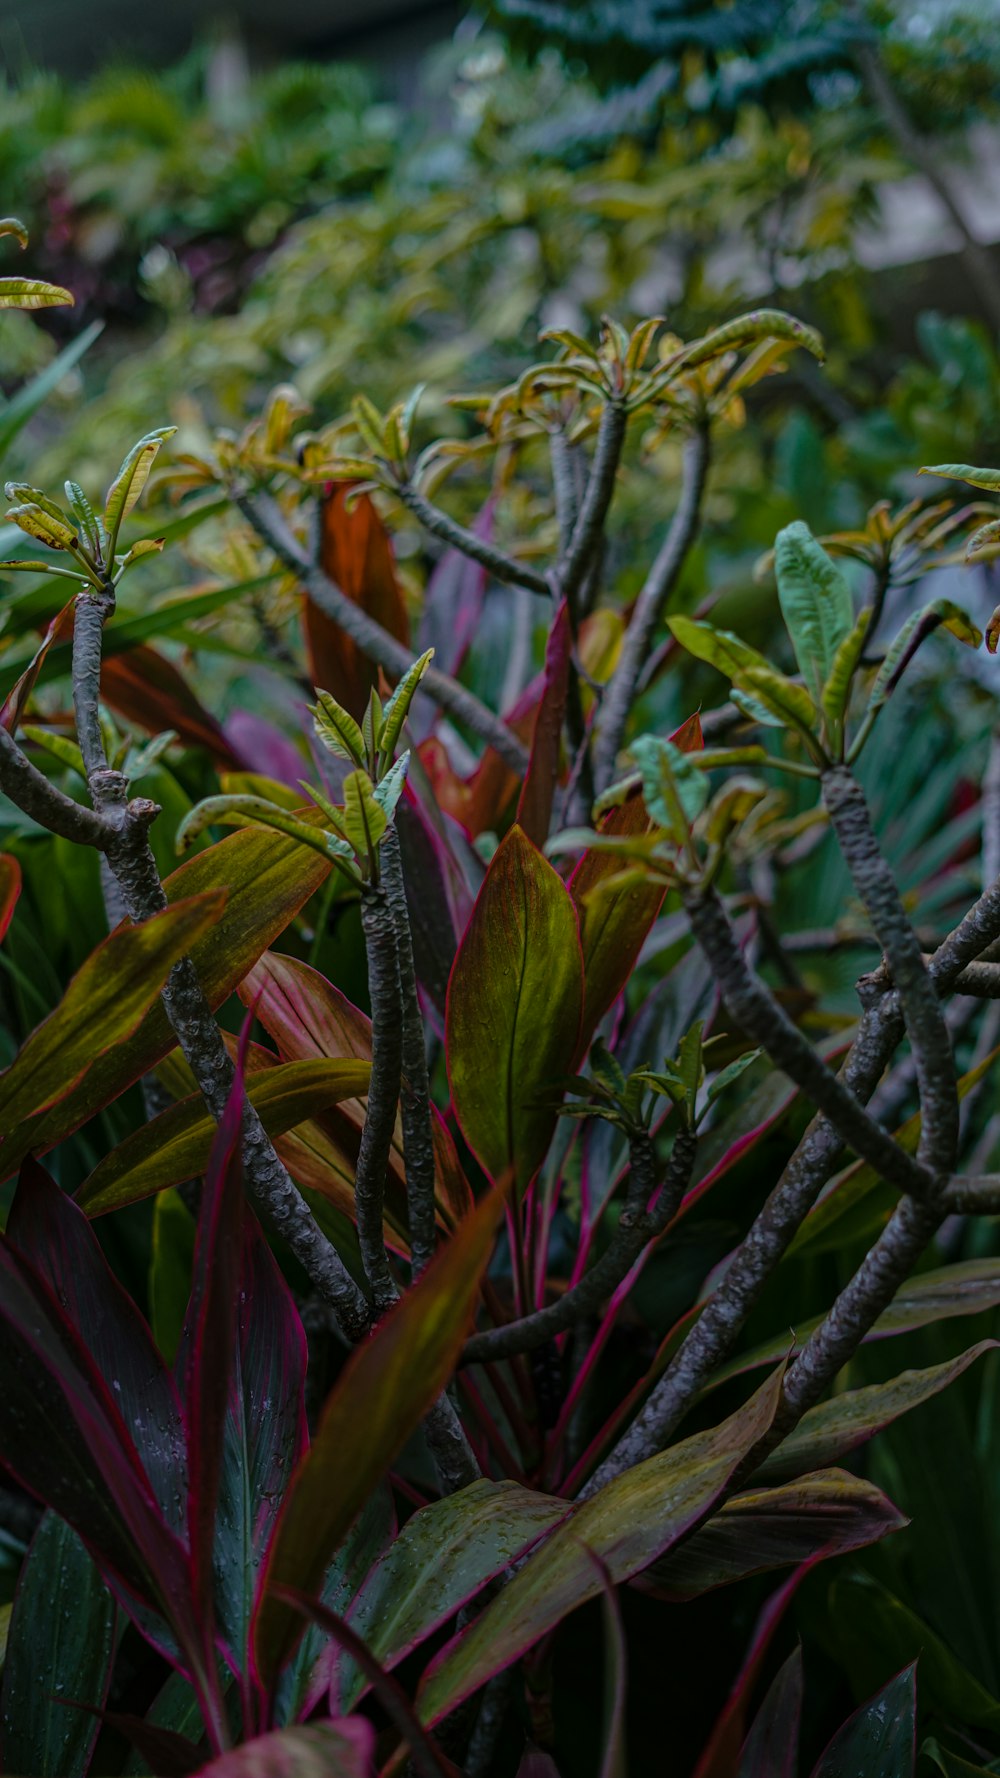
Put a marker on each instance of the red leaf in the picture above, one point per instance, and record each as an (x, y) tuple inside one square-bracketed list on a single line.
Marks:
[(534, 809), (720, 1758), (147, 689), (10, 889), (59, 629), (356, 553)]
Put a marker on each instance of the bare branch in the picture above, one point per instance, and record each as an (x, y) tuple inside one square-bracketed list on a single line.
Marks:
[(502, 567), (383, 1093), (415, 1093)]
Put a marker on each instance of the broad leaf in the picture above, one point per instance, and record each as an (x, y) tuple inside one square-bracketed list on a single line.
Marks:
[(750, 672), (267, 879), (815, 603), (819, 1515), (53, 1236), (515, 1001), (829, 1432), (59, 1654), (445, 1553), (176, 1145), (630, 1523), (382, 1395), (880, 1737), (103, 1004), (320, 1750), (772, 1746), (963, 472), (132, 478), (868, 1623)]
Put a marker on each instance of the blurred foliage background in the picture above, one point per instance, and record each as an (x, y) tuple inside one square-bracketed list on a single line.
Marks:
[(237, 218)]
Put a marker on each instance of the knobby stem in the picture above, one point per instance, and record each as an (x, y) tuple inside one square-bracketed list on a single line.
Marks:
[(418, 1136), (382, 952)]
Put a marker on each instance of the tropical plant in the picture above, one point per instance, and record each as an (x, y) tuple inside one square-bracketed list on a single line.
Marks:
[(585, 1021)]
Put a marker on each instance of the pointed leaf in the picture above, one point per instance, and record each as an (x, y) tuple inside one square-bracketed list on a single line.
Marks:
[(880, 1737), (364, 818), (819, 1515), (515, 1002), (132, 478), (963, 472), (398, 707), (534, 809), (337, 729), (31, 293), (445, 1553), (103, 1004), (628, 1524), (382, 1395), (49, 1232), (267, 879), (771, 1748), (10, 890), (59, 1652), (356, 553), (176, 1145)]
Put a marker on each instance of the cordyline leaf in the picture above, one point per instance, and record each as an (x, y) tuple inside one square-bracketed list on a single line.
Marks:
[(829, 1432), (771, 1749), (16, 699), (534, 808), (356, 553), (59, 1647), (382, 1395), (132, 478), (515, 1001), (632, 1521), (147, 689), (264, 1435), (208, 1345), (880, 1737), (319, 1750), (964, 1289), (267, 879), (103, 1005), (176, 1145), (963, 472), (445, 1553), (720, 1756), (811, 1518), (868, 1616), (31, 293), (62, 1436), (815, 602), (306, 1679), (55, 1239), (613, 921), (10, 889)]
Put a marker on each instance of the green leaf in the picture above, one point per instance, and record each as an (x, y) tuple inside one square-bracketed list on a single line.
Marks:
[(131, 479), (880, 1737), (869, 1620), (963, 472), (837, 689), (337, 729), (104, 1003), (514, 1007), (398, 707), (28, 400), (171, 1268), (815, 1516), (176, 1145), (815, 602), (31, 293), (631, 1522), (390, 788), (747, 670), (37, 523), (240, 809), (444, 1554), (365, 820), (827, 1433), (732, 1072), (84, 514), (939, 613), (267, 879), (12, 225), (673, 789), (381, 1396), (60, 1647)]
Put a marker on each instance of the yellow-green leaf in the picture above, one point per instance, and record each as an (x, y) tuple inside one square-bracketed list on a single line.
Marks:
[(103, 1004), (176, 1145)]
